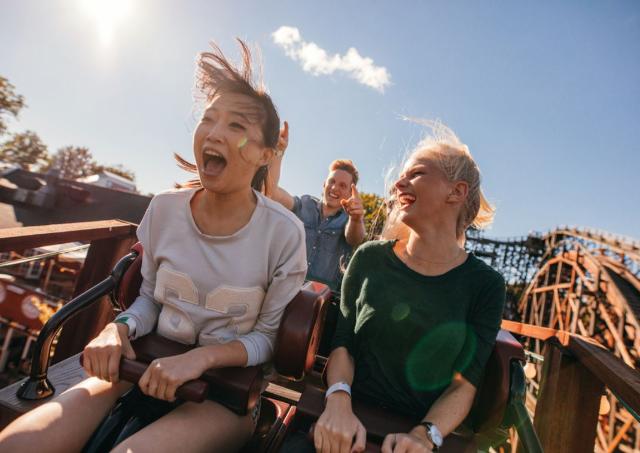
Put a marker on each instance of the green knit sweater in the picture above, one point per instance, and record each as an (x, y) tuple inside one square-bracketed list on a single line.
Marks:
[(408, 333)]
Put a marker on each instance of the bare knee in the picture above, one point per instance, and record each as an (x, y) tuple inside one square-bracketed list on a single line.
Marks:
[(76, 412), (193, 427)]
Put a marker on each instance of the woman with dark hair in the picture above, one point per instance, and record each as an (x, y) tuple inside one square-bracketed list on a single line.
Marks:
[(418, 316), (221, 261)]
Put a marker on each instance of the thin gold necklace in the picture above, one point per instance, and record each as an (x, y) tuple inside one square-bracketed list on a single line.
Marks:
[(408, 256)]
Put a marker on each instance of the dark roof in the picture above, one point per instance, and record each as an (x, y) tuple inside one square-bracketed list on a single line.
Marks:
[(63, 201)]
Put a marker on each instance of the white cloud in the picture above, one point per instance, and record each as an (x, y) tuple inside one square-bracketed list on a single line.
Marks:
[(317, 61)]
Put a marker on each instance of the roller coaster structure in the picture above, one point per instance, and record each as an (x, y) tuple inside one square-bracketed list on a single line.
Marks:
[(581, 281)]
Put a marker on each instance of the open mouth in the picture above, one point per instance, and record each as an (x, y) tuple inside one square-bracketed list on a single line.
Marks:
[(405, 199), (214, 163)]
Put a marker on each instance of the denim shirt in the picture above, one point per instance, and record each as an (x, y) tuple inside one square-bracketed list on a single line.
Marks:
[(327, 246)]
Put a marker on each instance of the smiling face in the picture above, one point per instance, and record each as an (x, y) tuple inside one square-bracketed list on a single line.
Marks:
[(228, 143), (423, 193), (336, 187)]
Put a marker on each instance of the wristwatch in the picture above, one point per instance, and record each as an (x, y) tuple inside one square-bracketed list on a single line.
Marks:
[(433, 433)]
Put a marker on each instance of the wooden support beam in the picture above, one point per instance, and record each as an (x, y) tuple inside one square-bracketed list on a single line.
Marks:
[(567, 409), (620, 378), (30, 237)]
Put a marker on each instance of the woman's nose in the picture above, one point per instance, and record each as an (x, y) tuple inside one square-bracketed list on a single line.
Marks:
[(400, 183), (214, 134)]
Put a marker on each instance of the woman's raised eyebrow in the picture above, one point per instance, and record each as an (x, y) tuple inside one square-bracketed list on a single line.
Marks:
[(241, 115)]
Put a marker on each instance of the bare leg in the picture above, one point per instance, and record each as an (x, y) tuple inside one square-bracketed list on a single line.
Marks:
[(192, 427), (65, 423)]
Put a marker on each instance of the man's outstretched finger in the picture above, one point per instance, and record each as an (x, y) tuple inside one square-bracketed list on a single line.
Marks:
[(354, 191)]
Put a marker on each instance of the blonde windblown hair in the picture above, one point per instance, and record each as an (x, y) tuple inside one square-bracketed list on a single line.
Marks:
[(442, 147)]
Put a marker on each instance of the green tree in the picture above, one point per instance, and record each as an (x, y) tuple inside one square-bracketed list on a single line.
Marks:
[(73, 162), (118, 169), (25, 149), (375, 214), (10, 103)]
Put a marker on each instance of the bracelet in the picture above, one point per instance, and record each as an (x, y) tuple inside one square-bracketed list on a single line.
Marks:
[(127, 321), (338, 387)]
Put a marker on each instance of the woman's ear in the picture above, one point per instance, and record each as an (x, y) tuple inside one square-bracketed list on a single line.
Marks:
[(267, 156), (459, 192)]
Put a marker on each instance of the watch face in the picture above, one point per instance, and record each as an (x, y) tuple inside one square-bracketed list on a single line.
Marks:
[(435, 435)]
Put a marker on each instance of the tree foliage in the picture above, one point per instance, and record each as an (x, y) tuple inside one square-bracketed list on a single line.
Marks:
[(119, 170), (10, 103), (77, 161), (375, 214), (73, 162), (25, 149)]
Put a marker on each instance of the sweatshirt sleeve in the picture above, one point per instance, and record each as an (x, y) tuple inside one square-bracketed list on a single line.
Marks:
[(145, 310), (285, 282)]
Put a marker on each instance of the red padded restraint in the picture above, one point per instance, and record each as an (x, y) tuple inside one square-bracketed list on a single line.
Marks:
[(129, 286), (493, 394), (300, 331)]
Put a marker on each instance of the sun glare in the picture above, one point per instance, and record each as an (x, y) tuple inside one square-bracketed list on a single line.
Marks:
[(107, 16)]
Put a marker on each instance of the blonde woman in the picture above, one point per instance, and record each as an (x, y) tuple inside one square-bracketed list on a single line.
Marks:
[(419, 315)]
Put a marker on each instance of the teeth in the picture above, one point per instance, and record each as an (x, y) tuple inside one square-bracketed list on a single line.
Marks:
[(406, 198), (210, 152)]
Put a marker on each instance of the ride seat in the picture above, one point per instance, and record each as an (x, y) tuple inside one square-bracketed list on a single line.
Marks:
[(487, 413), (238, 388)]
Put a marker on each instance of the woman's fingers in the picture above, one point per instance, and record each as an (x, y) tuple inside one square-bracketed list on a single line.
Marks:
[(317, 438), (86, 362), (346, 441), (161, 389), (143, 383), (361, 440), (283, 139), (388, 444), (127, 349), (170, 392), (103, 364), (113, 367)]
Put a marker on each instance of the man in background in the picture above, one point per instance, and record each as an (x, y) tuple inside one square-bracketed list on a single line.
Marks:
[(333, 224)]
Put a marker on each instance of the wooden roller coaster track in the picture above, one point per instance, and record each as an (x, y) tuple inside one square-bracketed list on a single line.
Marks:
[(579, 281)]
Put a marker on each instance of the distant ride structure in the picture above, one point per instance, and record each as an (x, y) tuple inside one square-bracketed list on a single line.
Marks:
[(581, 281)]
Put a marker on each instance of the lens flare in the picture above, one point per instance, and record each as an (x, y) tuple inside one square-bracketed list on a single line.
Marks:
[(400, 311), (446, 347), (243, 142)]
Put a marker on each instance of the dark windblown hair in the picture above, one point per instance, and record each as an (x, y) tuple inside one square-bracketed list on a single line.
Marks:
[(216, 75)]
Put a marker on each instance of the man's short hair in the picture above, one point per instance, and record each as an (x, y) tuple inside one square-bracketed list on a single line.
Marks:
[(345, 165)]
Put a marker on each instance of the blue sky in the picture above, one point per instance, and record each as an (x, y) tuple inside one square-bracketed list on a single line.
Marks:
[(546, 94)]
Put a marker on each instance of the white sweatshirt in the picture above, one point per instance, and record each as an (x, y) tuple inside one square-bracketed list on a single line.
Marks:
[(203, 290)]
